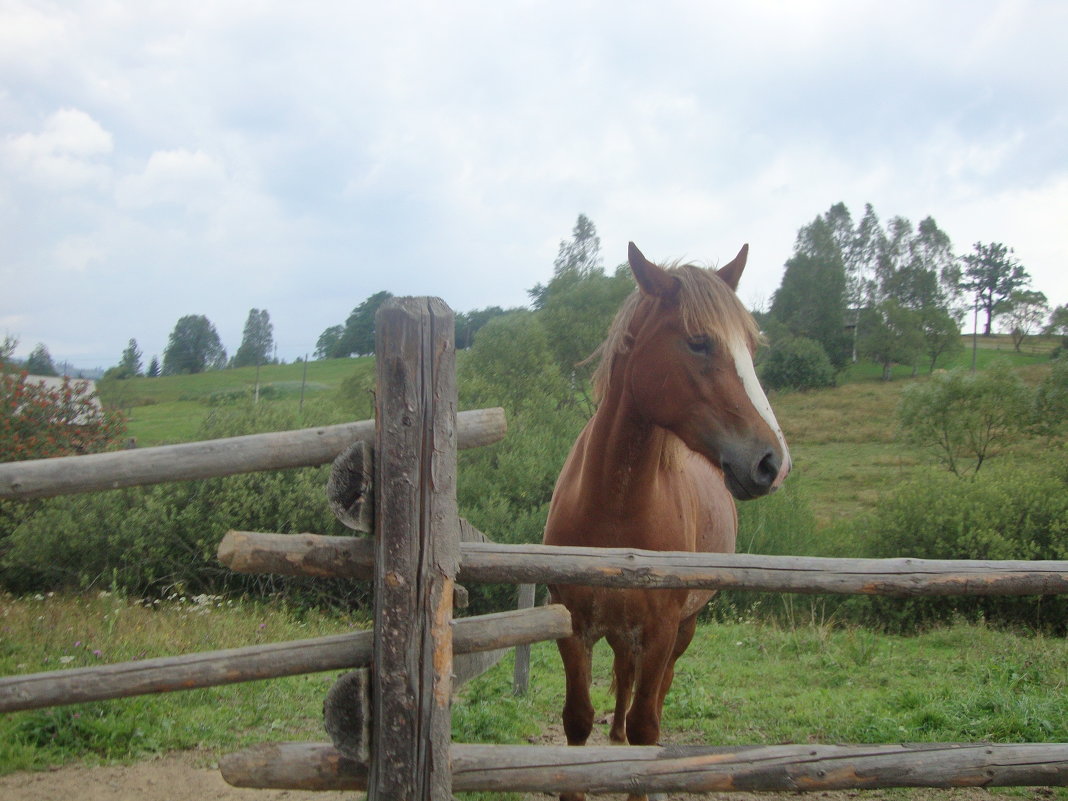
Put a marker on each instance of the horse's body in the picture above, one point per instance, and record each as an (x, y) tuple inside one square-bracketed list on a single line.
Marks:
[(681, 426)]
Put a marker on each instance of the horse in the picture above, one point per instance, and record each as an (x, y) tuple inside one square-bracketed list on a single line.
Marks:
[(681, 429)]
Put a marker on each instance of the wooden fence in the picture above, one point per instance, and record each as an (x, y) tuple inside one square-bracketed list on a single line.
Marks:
[(391, 733)]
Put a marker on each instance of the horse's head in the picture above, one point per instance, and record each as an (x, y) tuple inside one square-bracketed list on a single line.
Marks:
[(690, 370)]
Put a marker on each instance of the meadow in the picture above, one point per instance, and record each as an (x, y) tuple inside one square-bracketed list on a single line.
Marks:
[(737, 684)]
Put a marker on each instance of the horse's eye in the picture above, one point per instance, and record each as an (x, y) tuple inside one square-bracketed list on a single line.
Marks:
[(700, 346)]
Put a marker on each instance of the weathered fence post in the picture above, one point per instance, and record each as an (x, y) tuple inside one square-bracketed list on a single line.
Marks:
[(416, 551)]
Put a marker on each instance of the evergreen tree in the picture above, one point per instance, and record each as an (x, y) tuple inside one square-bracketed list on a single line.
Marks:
[(257, 340), (811, 300), (39, 362), (577, 258), (130, 363), (194, 346), (153, 368)]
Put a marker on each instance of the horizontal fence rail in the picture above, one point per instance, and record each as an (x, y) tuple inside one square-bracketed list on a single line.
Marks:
[(63, 475), (637, 769), (487, 562), (252, 663)]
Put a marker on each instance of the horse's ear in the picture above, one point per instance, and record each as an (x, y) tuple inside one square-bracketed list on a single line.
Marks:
[(732, 271), (653, 279)]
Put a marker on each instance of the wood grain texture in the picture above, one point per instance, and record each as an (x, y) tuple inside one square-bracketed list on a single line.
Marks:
[(42, 478), (637, 769), (416, 550), (485, 633), (619, 567)]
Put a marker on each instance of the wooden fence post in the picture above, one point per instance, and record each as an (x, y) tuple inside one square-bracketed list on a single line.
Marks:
[(521, 669), (416, 551)]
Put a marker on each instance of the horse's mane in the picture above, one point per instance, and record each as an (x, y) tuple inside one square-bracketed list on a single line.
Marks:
[(707, 305)]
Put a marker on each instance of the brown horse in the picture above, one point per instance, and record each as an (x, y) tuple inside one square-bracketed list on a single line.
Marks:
[(681, 426)]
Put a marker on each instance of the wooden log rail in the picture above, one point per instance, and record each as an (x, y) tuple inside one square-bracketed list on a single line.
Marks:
[(191, 671), (42, 478), (637, 769), (349, 557)]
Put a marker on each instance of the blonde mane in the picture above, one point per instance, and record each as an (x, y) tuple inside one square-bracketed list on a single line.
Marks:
[(707, 305)]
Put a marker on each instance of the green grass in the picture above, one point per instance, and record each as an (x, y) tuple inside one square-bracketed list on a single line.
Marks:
[(738, 684), (170, 409), (42, 633)]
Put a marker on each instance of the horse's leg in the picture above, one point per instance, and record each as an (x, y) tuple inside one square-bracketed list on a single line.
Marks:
[(623, 669), (643, 720), (577, 654), (682, 642)]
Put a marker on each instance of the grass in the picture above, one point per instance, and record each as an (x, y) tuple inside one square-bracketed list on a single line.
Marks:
[(170, 409), (738, 684), (41, 633)]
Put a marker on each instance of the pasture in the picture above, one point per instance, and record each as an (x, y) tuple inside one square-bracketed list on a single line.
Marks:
[(738, 683)]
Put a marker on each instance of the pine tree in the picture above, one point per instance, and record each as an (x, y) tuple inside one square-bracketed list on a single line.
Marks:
[(257, 340)]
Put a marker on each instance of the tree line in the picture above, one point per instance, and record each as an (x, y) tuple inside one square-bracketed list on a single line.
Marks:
[(894, 294)]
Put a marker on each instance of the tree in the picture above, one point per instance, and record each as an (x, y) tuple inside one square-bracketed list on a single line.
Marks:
[(797, 363), (1058, 322), (811, 300), (890, 334), (965, 417), (991, 274), (358, 337), (941, 335), (39, 362), (7, 349), (470, 323), (1025, 310), (328, 342), (129, 364), (153, 368), (257, 340), (193, 347), (577, 258)]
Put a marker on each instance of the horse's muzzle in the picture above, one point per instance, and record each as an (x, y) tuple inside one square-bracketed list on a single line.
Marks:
[(751, 475)]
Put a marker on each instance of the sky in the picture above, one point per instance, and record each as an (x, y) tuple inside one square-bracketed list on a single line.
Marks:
[(160, 159)]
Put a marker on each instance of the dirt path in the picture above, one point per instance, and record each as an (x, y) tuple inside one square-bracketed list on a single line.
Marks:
[(185, 776)]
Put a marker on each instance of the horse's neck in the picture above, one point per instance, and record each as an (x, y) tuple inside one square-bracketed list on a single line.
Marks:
[(625, 456)]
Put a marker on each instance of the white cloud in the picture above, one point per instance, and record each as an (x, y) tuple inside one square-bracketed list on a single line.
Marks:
[(68, 153), (192, 179)]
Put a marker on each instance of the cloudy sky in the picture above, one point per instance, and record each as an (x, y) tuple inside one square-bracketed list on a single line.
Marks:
[(159, 159)]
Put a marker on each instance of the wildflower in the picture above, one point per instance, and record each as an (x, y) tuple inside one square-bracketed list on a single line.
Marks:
[(98, 653)]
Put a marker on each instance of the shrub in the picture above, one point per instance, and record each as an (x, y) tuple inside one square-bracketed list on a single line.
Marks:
[(151, 541), (1004, 514), (797, 363), (1051, 399), (965, 418)]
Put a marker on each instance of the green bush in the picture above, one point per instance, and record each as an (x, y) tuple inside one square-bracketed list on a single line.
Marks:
[(154, 541), (797, 363), (965, 418), (1051, 399), (1015, 512)]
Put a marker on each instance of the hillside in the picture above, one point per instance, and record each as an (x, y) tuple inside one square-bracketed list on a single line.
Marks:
[(843, 439)]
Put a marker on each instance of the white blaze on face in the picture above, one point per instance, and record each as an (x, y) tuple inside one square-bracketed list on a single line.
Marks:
[(743, 365)]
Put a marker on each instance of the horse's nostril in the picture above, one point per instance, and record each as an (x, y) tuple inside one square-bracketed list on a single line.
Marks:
[(767, 469)]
